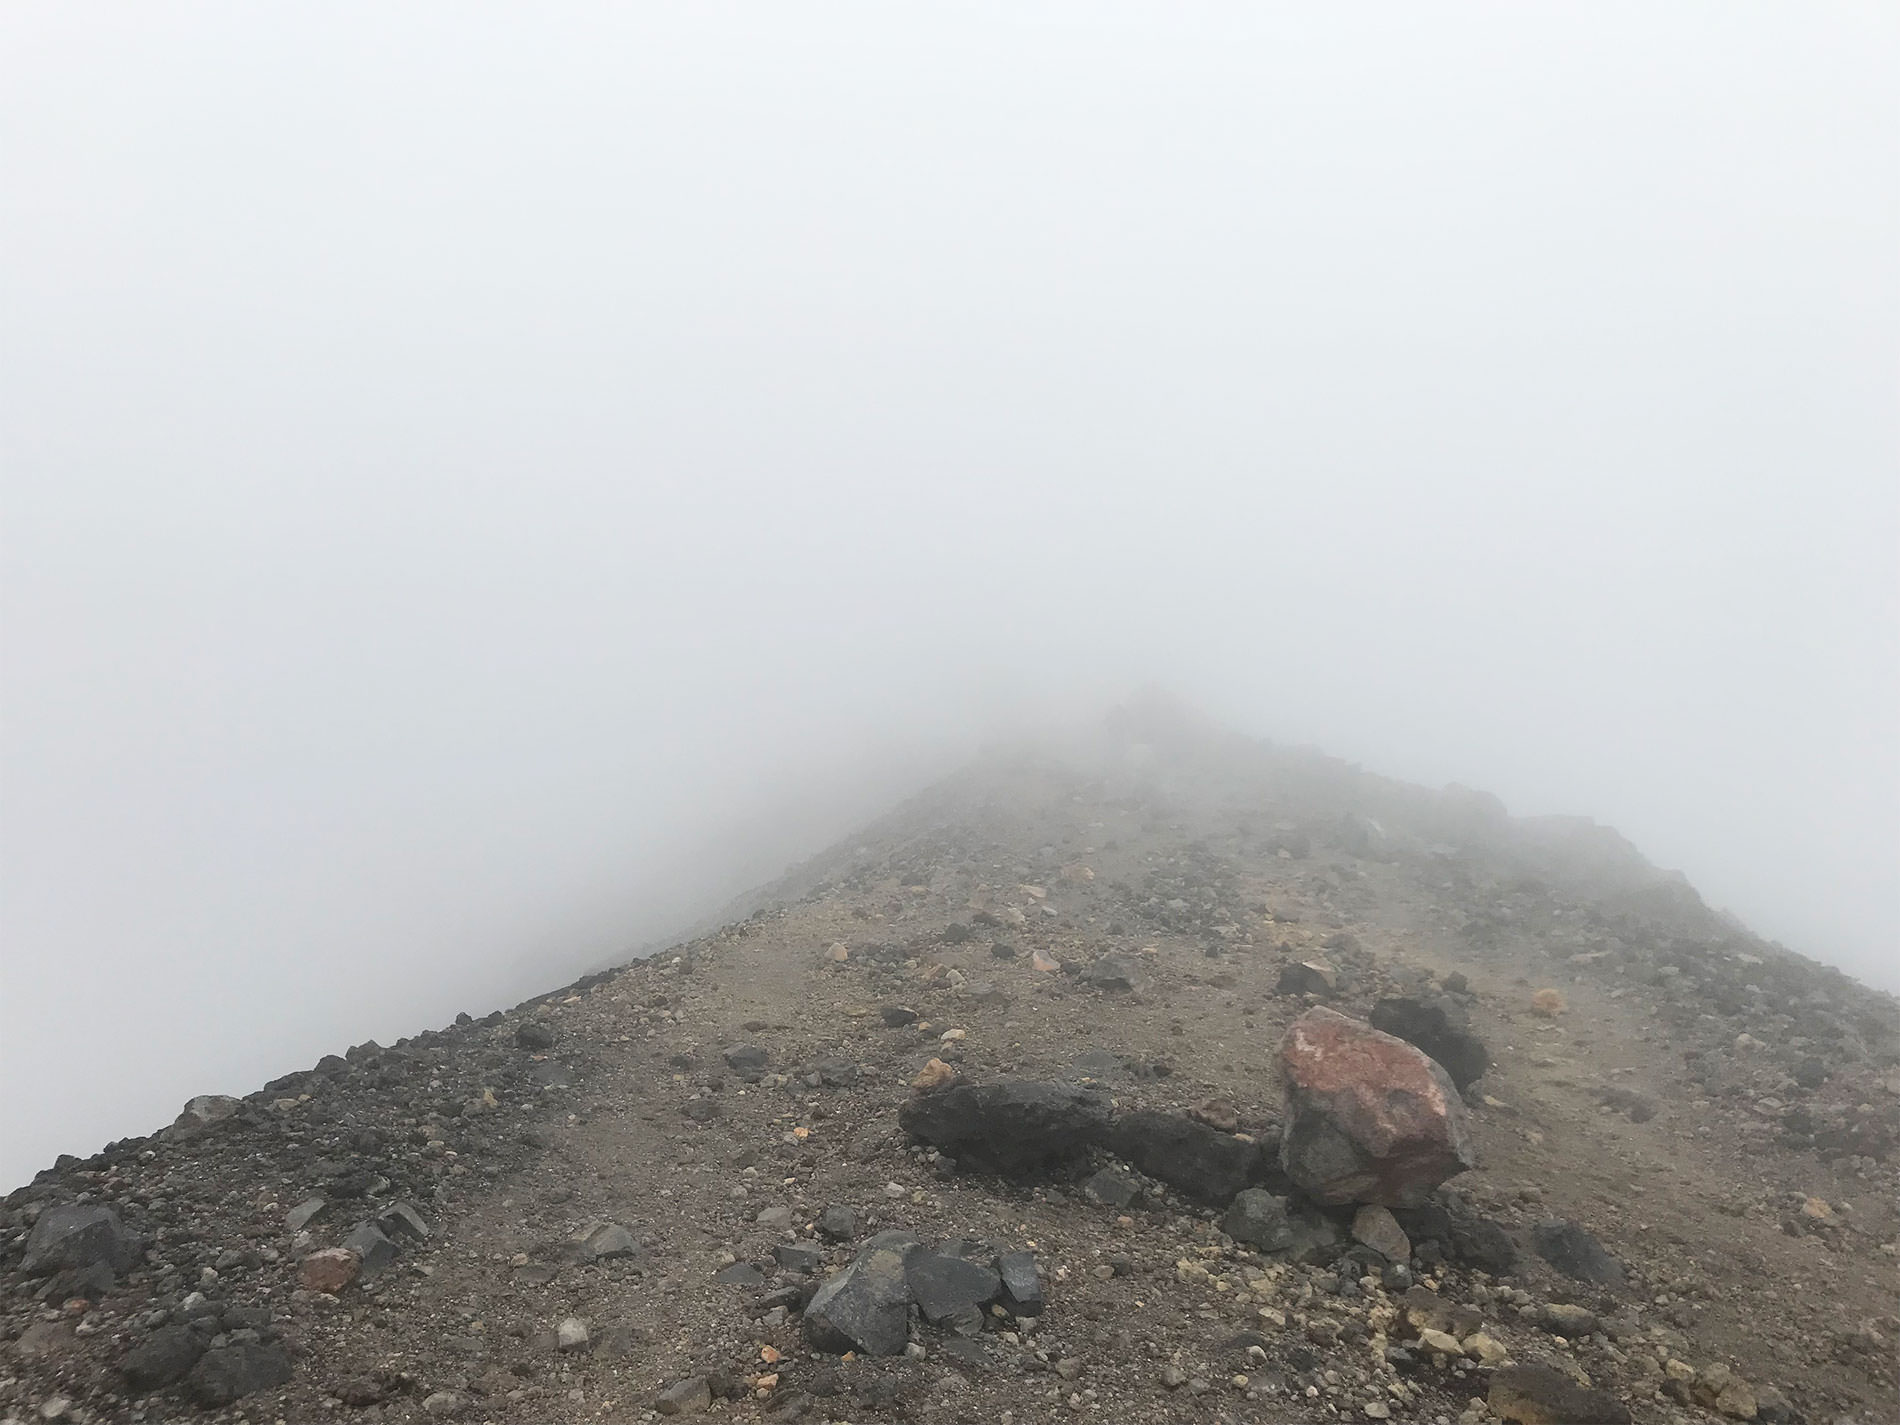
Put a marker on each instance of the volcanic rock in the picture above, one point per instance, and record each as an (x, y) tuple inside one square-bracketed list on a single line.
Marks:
[(951, 1290), (163, 1357), (1012, 1125), (1190, 1157), (1369, 1118), (78, 1235), (228, 1373), (1538, 1395), (866, 1307), (1573, 1250), (1441, 1027), (1259, 1219)]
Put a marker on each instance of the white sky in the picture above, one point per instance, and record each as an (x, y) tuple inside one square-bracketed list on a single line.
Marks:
[(463, 462)]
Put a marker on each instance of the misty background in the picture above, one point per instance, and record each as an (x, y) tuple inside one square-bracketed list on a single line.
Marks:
[(483, 486)]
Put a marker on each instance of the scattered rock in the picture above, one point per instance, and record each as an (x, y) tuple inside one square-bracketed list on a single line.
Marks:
[(228, 1373), (162, 1358), (896, 1016), (374, 1251), (571, 1334), (1377, 1228), (1113, 972), (865, 1307), (1022, 1286), (79, 1235), (605, 1241), (691, 1396), (802, 1257), (1111, 1187), (1574, 1251), (329, 1270), (1216, 1113), (1259, 1219), (1538, 1395), (838, 1224), (206, 1109), (1369, 1118), (951, 1291), (1574, 1322), (747, 1061), (1317, 976), (534, 1035), (934, 1075)]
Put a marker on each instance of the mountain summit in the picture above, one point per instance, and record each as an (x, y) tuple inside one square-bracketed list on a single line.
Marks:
[(1187, 1079)]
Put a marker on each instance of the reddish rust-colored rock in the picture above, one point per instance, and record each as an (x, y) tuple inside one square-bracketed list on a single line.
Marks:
[(1369, 1118), (328, 1271)]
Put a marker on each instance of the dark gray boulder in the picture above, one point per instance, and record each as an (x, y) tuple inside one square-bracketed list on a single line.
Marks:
[(229, 1373), (865, 1307), (747, 1061), (1010, 1125), (1440, 1026), (1259, 1219), (366, 1239), (1113, 971), (1192, 1158), (1021, 1284), (79, 1235), (1536, 1394), (1111, 1187), (951, 1291), (1572, 1249), (163, 1357)]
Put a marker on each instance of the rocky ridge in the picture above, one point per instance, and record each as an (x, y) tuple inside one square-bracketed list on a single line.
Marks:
[(1205, 1081)]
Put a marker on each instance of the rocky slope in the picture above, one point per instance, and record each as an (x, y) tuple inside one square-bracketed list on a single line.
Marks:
[(994, 1112)]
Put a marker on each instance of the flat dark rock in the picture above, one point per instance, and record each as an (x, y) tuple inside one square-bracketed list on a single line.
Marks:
[(1011, 1125), (1572, 1249), (1190, 1157)]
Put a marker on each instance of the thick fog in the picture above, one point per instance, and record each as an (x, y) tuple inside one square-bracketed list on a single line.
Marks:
[(483, 484)]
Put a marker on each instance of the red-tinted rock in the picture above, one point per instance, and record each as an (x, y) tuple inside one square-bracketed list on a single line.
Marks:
[(1369, 1118), (328, 1271)]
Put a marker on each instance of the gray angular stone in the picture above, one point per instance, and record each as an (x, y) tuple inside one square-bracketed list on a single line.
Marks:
[(1259, 1219), (1111, 1187), (305, 1212), (201, 1112), (78, 1235), (1113, 971), (535, 1035), (838, 1224), (1573, 1250), (229, 1373), (400, 1219), (804, 1257), (1538, 1395), (366, 1239), (606, 1241), (865, 1307), (1377, 1228), (165, 1356), (691, 1396), (950, 1290), (1021, 1284), (746, 1060)]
